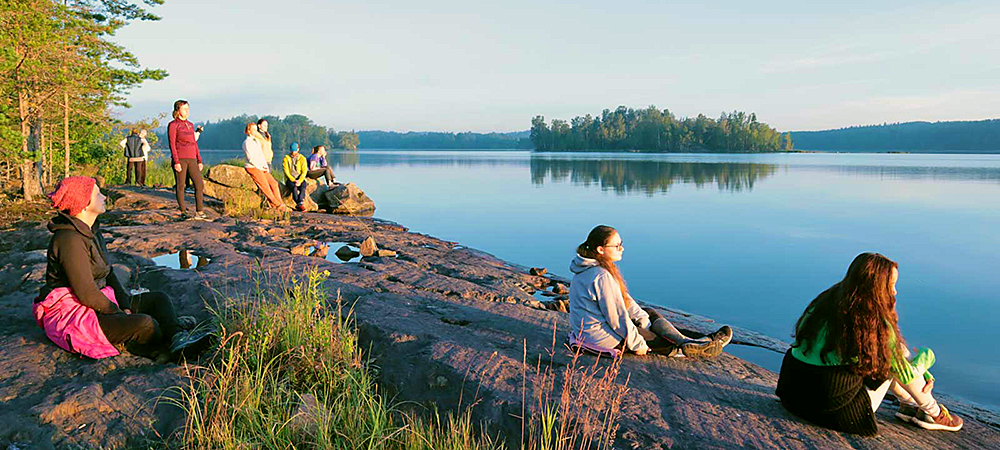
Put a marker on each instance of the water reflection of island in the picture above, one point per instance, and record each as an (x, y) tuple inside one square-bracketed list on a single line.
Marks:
[(343, 159), (650, 177)]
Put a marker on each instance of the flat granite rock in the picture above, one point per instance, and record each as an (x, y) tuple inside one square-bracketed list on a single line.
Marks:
[(447, 326)]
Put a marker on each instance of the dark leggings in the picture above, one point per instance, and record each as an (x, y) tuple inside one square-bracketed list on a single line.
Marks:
[(662, 337), (189, 168), (322, 172), (150, 327)]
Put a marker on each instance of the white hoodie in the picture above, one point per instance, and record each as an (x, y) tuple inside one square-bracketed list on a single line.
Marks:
[(597, 310), (255, 154)]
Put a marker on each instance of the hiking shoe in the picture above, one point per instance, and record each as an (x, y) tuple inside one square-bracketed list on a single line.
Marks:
[(190, 342), (709, 349), (724, 335), (187, 322), (200, 215), (907, 413), (944, 421)]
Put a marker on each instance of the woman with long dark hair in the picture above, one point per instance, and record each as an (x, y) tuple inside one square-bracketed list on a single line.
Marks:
[(264, 137), (604, 316), (848, 352)]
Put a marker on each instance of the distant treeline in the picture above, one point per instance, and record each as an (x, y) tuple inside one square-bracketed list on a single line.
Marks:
[(981, 136), (653, 130), (228, 134), (436, 140)]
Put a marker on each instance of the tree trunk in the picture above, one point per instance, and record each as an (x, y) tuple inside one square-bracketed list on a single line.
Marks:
[(42, 155), (29, 181), (22, 109), (66, 132), (31, 174), (49, 180)]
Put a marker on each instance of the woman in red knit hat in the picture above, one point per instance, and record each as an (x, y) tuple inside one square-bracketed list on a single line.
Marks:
[(83, 306)]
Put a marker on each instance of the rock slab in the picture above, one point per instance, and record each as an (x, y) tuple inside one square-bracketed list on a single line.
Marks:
[(347, 199)]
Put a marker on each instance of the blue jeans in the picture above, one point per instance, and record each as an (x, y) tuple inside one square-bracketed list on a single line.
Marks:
[(298, 192)]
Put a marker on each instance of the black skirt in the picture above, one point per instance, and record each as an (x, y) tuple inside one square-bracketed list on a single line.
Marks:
[(829, 396)]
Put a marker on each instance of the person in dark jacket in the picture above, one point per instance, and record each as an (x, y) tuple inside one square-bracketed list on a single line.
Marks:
[(136, 153), (82, 306), (848, 352)]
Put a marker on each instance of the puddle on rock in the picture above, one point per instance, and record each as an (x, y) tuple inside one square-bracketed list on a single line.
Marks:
[(184, 259), (341, 252), (345, 252)]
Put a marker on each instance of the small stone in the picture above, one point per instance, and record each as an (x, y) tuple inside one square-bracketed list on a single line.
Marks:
[(301, 249), (368, 247), (559, 289), (538, 271), (345, 253), (320, 250), (383, 253), (309, 412), (558, 305)]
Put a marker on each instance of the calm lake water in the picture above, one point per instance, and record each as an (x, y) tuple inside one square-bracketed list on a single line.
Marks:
[(748, 240)]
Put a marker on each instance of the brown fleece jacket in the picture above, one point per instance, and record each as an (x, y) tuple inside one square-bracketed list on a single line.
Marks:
[(78, 259)]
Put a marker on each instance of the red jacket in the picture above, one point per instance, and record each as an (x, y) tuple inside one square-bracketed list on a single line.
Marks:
[(183, 145)]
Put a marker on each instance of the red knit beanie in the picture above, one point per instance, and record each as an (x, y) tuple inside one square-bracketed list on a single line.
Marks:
[(73, 194)]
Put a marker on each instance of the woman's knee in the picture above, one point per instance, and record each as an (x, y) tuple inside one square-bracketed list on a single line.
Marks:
[(145, 328)]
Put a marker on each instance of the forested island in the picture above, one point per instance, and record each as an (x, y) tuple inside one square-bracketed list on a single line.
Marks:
[(980, 136), (652, 130)]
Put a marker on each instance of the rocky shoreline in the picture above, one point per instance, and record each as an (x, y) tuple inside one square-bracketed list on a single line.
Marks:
[(444, 325)]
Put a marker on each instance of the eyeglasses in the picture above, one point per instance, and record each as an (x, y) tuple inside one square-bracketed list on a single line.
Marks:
[(620, 246)]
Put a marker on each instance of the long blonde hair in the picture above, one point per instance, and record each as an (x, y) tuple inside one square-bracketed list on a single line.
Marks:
[(599, 237)]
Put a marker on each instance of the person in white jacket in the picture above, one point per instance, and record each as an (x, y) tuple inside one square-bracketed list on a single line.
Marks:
[(259, 169), (604, 315)]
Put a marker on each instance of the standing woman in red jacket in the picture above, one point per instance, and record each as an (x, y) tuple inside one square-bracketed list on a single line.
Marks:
[(183, 139)]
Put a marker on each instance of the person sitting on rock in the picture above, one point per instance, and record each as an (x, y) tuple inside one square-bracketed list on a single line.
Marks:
[(83, 307), (259, 168), (294, 165), (848, 352), (318, 167), (603, 314)]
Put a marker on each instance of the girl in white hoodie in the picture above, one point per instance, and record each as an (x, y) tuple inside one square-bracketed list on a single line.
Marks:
[(259, 169), (603, 314)]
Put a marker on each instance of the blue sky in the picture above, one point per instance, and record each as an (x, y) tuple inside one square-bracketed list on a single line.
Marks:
[(491, 66)]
